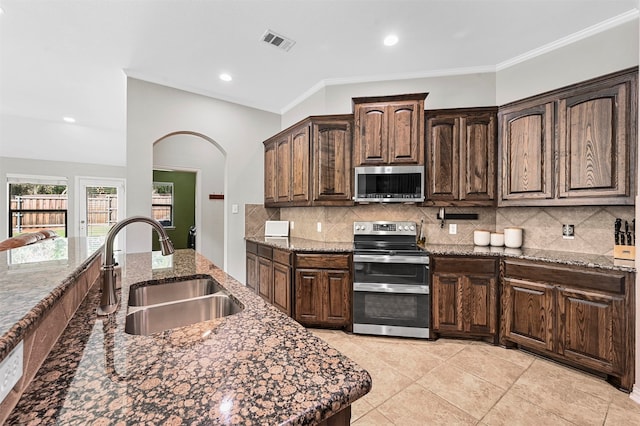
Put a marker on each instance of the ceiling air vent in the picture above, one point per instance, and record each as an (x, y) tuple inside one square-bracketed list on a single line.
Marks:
[(277, 40)]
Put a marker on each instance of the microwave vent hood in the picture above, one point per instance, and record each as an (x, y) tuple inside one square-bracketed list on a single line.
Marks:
[(389, 184)]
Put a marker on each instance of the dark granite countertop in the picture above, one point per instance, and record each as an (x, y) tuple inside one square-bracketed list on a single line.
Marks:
[(254, 367), (559, 257), (32, 280)]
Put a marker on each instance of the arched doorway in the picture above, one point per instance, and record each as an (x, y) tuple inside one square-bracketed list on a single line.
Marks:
[(186, 151)]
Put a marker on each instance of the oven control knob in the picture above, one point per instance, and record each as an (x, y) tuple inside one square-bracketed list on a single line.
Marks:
[(413, 228), (357, 227)]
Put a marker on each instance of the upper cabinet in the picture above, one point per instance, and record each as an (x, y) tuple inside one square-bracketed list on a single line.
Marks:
[(461, 157), (310, 163), (389, 130), (571, 146)]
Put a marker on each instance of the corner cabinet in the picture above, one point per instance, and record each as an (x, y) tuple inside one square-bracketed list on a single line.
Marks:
[(572, 146), (464, 296), (461, 157), (323, 290), (309, 163), (389, 130), (581, 316)]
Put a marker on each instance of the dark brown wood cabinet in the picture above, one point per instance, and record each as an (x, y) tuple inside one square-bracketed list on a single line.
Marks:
[(461, 146), (581, 316), (286, 168), (574, 145), (269, 274), (310, 163), (464, 296), (323, 290), (389, 130), (332, 170)]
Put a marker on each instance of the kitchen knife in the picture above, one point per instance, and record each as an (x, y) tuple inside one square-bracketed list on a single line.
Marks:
[(616, 232)]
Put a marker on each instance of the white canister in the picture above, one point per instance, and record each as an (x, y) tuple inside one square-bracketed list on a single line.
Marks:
[(481, 237), (497, 239), (513, 237)]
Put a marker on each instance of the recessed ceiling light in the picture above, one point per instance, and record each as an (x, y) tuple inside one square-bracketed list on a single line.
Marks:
[(390, 40), (225, 77), (69, 119)]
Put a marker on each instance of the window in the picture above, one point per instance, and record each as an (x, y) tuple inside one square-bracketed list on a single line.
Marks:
[(37, 203), (162, 203)]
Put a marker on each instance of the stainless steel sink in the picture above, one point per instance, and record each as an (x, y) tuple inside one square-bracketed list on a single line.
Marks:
[(157, 318), (174, 291)]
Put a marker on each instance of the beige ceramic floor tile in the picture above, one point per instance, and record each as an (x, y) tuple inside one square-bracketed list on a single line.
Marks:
[(386, 382), (418, 406), (464, 390), (373, 418), (475, 360), (360, 408), (412, 361), (515, 356), (623, 411), (551, 388), (514, 411)]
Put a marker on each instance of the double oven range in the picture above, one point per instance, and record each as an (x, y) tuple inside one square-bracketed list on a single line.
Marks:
[(391, 280)]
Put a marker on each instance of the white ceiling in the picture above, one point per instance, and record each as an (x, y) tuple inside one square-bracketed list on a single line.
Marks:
[(67, 57)]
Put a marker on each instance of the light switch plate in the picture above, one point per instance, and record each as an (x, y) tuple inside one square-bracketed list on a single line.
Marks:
[(11, 370), (453, 228), (319, 226)]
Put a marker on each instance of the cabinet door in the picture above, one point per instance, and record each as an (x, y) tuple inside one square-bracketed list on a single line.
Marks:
[(478, 139), (336, 298), (594, 143), (332, 163), (443, 159), (527, 153), (281, 287), (446, 301), (252, 271), (270, 173), (591, 327), (404, 136), (265, 278), (371, 137), (308, 296), (481, 305), (300, 152), (528, 313), (283, 170)]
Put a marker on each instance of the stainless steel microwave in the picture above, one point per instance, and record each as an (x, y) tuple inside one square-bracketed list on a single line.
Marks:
[(389, 184)]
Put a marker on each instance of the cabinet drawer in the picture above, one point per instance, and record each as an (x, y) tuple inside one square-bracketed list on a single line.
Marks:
[(611, 282), (252, 247), (323, 261), (466, 265), (282, 256), (265, 251)]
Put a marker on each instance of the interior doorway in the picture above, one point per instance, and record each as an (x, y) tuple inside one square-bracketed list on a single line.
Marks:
[(173, 204)]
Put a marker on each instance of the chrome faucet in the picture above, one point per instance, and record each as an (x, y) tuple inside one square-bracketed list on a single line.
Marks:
[(109, 300)]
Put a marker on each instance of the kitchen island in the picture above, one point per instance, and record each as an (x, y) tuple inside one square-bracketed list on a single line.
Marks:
[(254, 367)]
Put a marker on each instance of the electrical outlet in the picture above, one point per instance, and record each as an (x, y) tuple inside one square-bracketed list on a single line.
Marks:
[(234, 208), (291, 224), (319, 226), (11, 370), (453, 228)]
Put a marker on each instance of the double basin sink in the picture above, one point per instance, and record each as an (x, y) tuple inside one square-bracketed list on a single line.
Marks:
[(153, 308)]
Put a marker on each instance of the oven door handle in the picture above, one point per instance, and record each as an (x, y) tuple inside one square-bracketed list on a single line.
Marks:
[(391, 288), (372, 258)]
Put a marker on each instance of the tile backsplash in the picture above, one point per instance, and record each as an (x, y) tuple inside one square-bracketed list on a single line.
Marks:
[(542, 225)]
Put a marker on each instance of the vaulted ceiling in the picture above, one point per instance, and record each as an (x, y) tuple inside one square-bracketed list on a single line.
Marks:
[(66, 57)]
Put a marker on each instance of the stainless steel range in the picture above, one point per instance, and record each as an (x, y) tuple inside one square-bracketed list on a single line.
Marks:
[(391, 280)]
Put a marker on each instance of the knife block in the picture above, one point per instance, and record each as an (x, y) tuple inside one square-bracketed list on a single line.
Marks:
[(624, 252)]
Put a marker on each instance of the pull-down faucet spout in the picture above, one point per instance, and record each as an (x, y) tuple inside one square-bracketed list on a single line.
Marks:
[(109, 300)]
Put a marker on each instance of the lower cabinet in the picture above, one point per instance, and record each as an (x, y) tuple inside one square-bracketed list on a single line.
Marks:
[(323, 290), (581, 316), (464, 296), (313, 288), (269, 274)]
